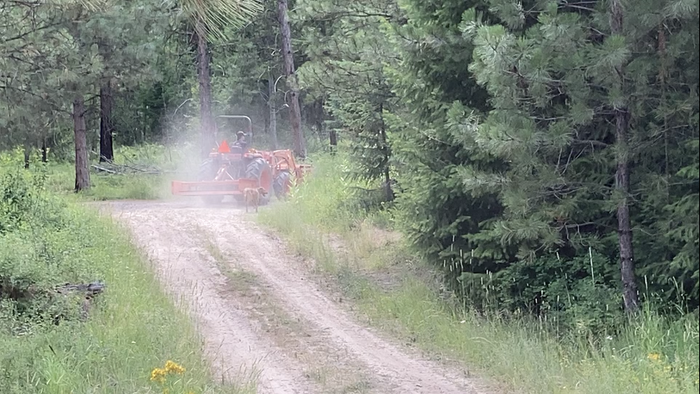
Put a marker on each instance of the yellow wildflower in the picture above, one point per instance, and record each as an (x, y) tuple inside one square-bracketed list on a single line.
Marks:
[(158, 375), (170, 366), (654, 356)]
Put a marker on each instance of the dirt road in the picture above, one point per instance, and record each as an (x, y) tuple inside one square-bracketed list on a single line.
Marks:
[(262, 316)]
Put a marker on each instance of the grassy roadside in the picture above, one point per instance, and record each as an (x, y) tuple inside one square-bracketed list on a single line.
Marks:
[(139, 172), (61, 178), (394, 292), (133, 328)]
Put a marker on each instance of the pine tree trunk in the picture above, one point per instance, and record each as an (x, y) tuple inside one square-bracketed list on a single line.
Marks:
[(106, 124), (207, 124), (27, 153), (333, 140), (384, 149), (44, 151), (320, 116), (266, 116), (82, 172), (624, 228), (622, 181), (271, 104), (288, 57)]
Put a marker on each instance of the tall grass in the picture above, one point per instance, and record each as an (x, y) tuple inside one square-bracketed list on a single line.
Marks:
[(132, 328), (649, 355)]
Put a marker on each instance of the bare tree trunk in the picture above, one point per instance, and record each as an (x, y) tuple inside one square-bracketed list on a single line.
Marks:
[(207, 124), (622, 181), (272, 105), (106, 124), (288, 56), (82, 172)]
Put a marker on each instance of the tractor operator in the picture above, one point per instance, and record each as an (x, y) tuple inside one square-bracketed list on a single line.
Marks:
[(240, 140)]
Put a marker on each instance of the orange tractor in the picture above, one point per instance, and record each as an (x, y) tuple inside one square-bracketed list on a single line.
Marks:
[(231, 169)]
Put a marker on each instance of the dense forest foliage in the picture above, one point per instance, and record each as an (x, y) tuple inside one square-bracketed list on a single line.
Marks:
[(543, 153)]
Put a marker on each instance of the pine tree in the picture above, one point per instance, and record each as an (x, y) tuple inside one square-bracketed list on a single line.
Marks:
[(445, 215), (346, 68), (125, 35), (250, 75), (571, 94), (205, 20)]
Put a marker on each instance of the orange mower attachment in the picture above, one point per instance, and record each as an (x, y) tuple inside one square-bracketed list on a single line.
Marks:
[(229, 170)]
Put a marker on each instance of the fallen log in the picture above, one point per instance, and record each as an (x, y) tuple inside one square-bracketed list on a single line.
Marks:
[(89, 291), (98, 168)]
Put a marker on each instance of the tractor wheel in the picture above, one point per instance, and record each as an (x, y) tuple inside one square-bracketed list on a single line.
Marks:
[(260, 170), (281, 184), (207, 172)]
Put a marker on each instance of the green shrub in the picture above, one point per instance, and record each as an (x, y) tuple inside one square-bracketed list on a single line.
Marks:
[(131, 328), (34, 231), (580, 293)]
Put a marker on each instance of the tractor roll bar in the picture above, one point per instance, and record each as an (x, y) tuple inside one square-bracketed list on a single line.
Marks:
[(250, 125)]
